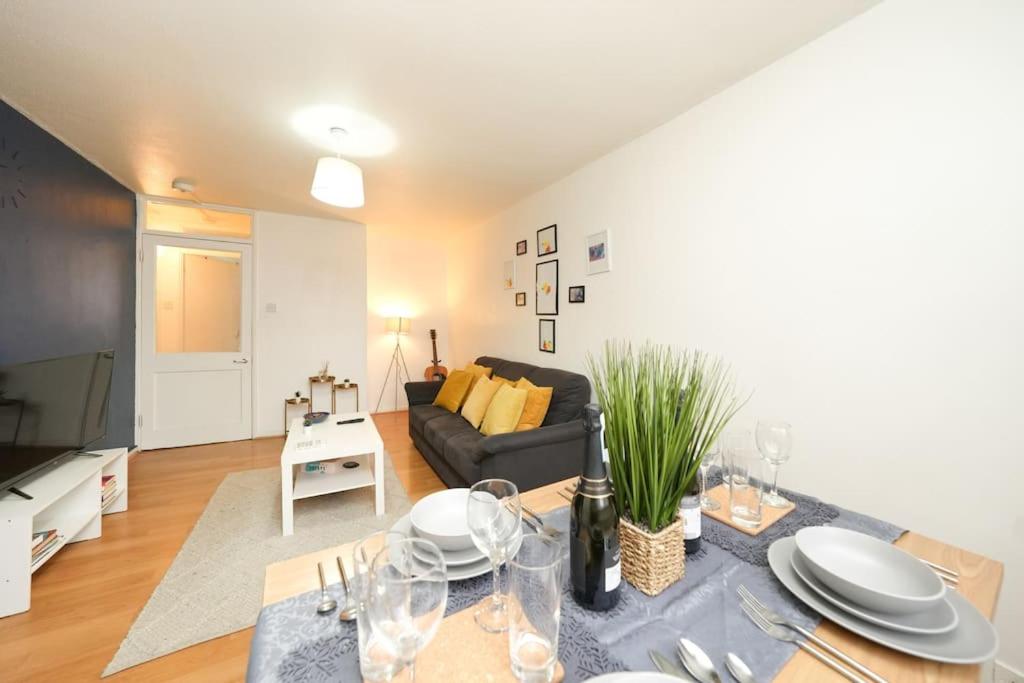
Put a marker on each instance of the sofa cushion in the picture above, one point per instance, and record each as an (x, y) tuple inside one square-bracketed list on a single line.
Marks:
[(420, 415), (454, 390), (440, 429), (571, 393), (503, 414), (463, 453), (536, 407)]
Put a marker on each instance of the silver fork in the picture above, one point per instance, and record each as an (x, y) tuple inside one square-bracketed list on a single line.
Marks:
[(780, 633), (778, 620), (539, 525)]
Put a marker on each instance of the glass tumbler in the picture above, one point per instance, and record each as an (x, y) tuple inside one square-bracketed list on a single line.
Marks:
[(535, 601), (376, 663), (746, 490)]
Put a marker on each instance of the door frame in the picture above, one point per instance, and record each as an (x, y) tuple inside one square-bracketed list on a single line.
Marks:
[(201, 241)]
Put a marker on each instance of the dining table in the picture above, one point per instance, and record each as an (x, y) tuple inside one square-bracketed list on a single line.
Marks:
[(980, 580)]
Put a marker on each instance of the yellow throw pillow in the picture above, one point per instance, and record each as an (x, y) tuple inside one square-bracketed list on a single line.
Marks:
[(503, 414), (504, 380), (454, 390), (477, 371), (479, 398), (538, 399)]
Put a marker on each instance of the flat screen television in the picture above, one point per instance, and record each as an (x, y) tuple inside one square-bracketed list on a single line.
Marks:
[(49, 408)]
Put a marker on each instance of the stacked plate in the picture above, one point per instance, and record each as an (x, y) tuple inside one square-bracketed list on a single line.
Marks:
[(882, 593), (441, 518)]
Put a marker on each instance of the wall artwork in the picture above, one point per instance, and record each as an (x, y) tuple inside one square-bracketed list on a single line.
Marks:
[(546, 287), (577, 294), (547, 240), (546, 333), (520, 298), (521, 247), (599, 254), (509, 274)]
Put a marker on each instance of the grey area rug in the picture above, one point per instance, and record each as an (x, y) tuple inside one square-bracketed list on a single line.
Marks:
[(215, 585)]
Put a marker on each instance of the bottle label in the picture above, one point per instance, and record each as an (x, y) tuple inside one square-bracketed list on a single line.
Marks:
[(691, 523), (612, 576)]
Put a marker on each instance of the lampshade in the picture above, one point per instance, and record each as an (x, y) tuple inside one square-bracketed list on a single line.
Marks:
[(338, 182), (399, 325)]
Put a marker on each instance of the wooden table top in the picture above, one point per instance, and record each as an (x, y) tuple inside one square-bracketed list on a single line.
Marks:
[(980, 581)]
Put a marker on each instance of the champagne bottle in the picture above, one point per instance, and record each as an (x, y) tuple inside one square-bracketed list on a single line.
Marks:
[(594, 561), (689, 508)]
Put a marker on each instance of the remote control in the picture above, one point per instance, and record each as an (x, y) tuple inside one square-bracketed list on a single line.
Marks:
[(354, 420)]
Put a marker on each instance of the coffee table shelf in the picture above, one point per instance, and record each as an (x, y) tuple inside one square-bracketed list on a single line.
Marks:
[(309, 484)]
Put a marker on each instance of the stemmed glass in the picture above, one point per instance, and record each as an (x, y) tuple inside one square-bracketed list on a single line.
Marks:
[(408, 596), (535, 590), (494, 516), (376, 662), (774, 440), (706, 503)]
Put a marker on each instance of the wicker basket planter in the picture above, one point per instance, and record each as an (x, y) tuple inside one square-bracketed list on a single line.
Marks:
[(652, 562)]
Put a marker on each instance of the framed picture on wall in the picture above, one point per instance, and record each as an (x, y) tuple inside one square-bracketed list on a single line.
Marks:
[(599, 253), (509, 274), (546, 287), (521, 247), (547, 240), (577, 294), (546, 335), (520, 298)]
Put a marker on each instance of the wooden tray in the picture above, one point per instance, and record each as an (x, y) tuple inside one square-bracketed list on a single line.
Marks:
[(768, 515), (462, 652)]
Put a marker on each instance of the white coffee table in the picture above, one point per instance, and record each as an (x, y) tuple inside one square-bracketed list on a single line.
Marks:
[(352, 442)]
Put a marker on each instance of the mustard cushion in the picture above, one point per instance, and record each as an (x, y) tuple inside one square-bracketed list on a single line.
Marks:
[(503, 414), (477, 371), (538, 399), (479, 399), (504, 380), (454, 390)]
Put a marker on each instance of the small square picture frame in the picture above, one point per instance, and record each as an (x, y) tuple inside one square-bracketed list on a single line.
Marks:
[(546, 335), (521, 248), (577, 294), (521, 299), (547, 240)]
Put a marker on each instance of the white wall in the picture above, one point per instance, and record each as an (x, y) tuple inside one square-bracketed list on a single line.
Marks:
[(405, 276), (845, 227), (314, 271)]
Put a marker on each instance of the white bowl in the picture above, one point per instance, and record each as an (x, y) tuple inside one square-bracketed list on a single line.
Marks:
[(441, 518), (870, 572)]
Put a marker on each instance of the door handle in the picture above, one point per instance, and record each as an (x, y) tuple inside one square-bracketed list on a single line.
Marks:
[(244, 360)]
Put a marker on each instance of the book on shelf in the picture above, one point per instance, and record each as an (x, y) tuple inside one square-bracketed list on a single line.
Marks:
[(109, 490), (43, 542)]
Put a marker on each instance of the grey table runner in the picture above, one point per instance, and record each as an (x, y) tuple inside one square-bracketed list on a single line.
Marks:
[(291, 643)]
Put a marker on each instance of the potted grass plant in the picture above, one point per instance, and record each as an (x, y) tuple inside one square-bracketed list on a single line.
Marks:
[(664, 408)]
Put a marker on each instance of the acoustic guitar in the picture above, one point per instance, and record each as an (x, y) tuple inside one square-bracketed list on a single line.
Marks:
[(435, 372)]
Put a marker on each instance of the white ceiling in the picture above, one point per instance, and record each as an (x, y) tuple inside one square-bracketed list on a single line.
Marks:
[(488, 100)]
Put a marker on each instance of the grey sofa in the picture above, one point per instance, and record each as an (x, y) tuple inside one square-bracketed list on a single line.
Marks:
[(462, 456)]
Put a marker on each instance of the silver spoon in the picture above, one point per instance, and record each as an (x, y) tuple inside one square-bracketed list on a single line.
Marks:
[(348, 610), (738, 668), (327, 603), (697, 662)]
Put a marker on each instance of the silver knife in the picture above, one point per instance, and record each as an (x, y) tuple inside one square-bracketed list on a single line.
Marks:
[(667, 666)]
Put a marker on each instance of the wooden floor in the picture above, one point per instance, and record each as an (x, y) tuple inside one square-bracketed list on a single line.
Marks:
[(85, 599)]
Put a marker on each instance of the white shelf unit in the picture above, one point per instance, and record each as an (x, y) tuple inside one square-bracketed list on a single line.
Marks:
[(66, 497), (309, 484)]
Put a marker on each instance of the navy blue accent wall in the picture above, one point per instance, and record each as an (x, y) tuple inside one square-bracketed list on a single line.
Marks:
[(67, 261)]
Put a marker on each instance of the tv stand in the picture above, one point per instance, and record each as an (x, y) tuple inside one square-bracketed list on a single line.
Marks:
[(19, 492), (67, 497)]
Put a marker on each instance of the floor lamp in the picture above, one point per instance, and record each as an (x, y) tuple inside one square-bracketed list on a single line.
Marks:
[(400, 327)]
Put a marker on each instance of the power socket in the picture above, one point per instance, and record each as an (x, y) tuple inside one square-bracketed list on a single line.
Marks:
[(1002, 673)]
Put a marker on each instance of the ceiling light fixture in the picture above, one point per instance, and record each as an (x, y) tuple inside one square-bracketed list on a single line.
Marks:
[(337, 181)]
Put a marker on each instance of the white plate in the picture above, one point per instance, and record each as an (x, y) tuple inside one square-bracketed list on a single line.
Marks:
[(634, 677), (974, 640), (455, 572), (454, 558), (441, 518), (939, 619), (869, 572)]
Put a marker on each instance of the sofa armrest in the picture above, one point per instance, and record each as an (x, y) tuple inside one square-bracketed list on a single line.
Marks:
[(420, 393), (542, 436)]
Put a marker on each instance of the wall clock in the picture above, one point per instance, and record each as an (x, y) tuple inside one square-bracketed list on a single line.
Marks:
[(12, 181)]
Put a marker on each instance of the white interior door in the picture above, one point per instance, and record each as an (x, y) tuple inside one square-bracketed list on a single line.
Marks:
[(196, 347)]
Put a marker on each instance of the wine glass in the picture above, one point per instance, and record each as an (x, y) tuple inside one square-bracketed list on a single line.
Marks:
[(494, 516), (376, 662), (774, 440), (408, 596), (706, 503)]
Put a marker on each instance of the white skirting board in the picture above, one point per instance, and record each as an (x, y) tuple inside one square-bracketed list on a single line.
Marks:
[(67, 497)]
